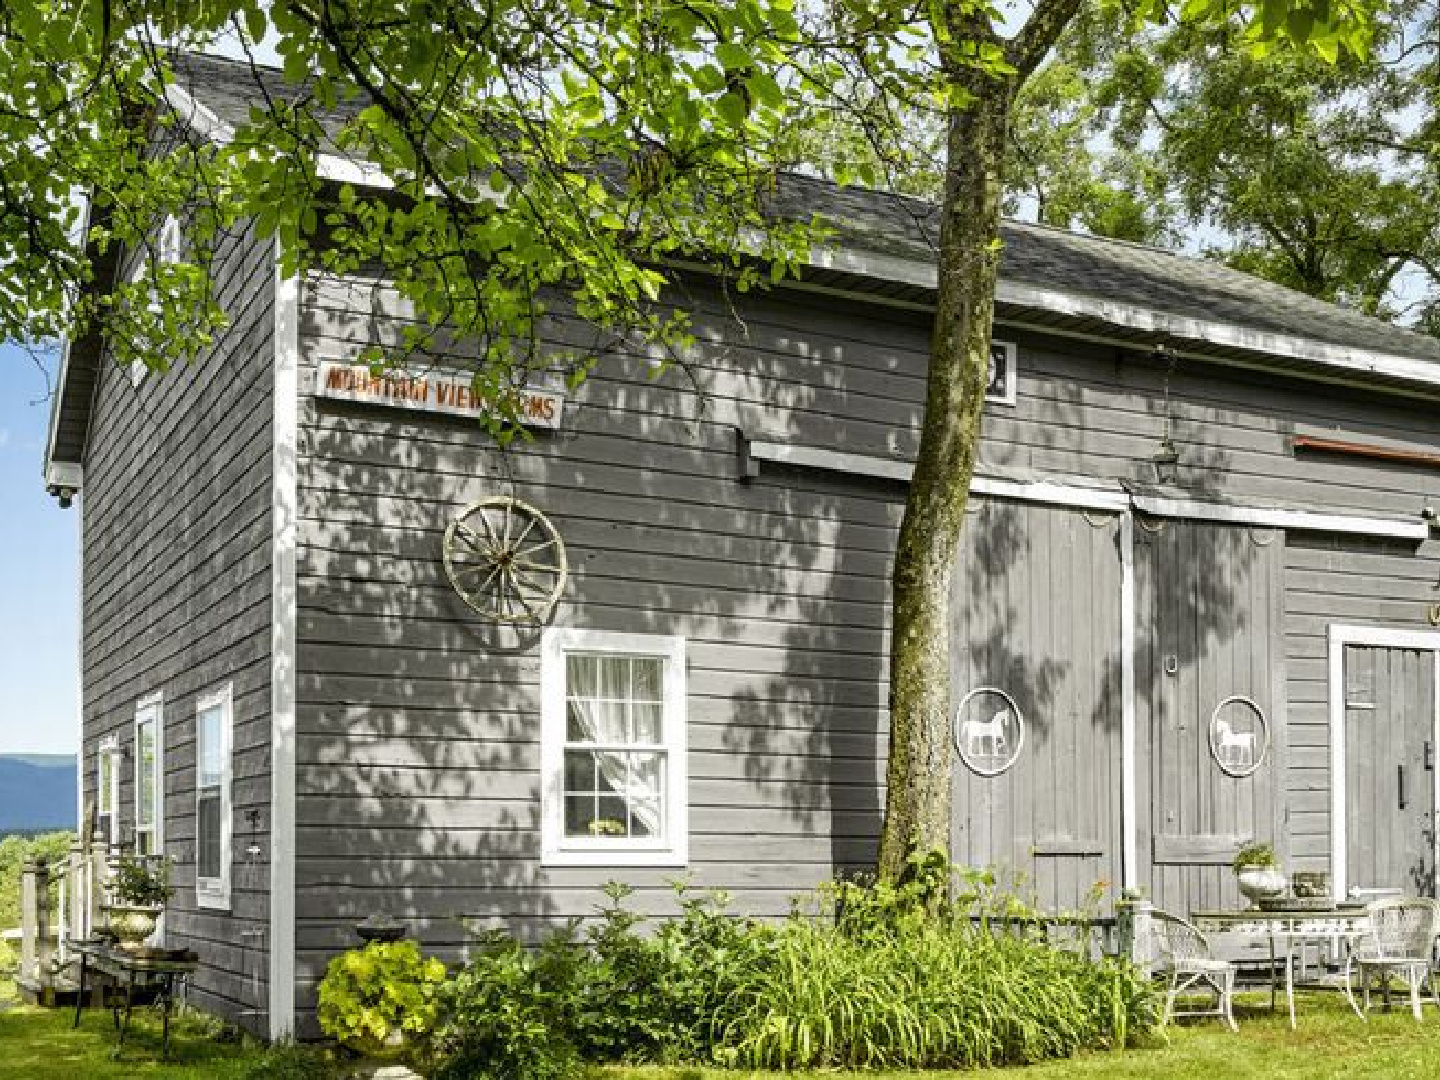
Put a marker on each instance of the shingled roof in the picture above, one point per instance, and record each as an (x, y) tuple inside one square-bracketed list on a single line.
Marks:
[(883, 245), (1123, 278)]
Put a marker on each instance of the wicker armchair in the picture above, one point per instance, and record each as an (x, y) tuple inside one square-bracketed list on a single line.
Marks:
[(1183, 957), (1400, 940)]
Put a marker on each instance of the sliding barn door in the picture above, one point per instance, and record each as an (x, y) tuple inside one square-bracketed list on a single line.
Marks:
[(1210, 684), (1036, 670)]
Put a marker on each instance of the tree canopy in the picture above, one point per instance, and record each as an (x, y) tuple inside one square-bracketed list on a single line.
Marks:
[(543, 152)]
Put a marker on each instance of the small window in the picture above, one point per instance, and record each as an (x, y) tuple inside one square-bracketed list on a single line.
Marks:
[(149, 778), (107, 790), (1001, 384), (613, 749), (212, 799), (168, 249)]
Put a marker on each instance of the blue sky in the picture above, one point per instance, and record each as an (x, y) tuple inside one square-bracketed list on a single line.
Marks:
[(39, 573)]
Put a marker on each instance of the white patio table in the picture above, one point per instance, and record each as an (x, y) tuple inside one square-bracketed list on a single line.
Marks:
[(1286, 930)]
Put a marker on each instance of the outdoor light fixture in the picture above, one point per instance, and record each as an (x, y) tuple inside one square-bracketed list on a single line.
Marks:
[(1166, 461), (64, 493)]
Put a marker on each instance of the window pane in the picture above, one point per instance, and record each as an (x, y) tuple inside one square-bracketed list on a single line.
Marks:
[(648, 673), (613, 817), (579, 812), (208, 753), (207, 834), (145, 753), (580, 770), (106, 777), (595, 721), (645, 773), (646, 720), (144, 842), (645, 818)]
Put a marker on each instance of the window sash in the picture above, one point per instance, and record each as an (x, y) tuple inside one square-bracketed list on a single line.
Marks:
[(213, 776)]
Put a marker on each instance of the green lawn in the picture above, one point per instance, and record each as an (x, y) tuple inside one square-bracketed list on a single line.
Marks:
[(39, 1045), (1330, 1042)]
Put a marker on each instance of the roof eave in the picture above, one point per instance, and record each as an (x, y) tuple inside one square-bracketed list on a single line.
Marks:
[(1323, 357)]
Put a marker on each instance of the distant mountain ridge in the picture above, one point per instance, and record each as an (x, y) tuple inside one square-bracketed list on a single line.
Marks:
[(37, 791)]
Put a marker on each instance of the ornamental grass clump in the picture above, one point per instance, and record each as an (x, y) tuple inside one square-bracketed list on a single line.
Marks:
[(907, 979)]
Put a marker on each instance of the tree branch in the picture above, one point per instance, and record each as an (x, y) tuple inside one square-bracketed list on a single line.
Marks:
[(1037, 37)]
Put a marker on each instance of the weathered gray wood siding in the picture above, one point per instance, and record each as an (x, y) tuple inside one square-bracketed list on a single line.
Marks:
[(176, 581), (1333, 579), (418, 754)]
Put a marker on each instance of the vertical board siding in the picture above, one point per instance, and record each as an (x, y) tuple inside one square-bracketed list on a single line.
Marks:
[(418, 763), (176, 595)]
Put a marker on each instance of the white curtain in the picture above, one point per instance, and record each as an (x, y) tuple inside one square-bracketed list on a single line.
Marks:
[(599, 691)]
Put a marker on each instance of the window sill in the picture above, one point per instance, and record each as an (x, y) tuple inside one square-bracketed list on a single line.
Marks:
[(616, 857), (213, 899)]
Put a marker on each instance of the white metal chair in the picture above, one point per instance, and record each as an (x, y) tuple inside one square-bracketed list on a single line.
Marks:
[(1399, 940), (1184, 958)]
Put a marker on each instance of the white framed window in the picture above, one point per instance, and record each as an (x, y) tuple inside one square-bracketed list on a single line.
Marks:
[(213, 723), (168, 249), (1001, 383), (612, 749), (107, 789), (149, 777)]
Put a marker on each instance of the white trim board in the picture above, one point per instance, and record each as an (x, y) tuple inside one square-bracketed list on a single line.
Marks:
[(1340, 635), (1130, 876), (284, 517), (1094, 495)]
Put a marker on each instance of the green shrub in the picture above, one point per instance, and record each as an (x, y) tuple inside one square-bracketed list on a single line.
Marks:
[(381, 998), (512, 1014)]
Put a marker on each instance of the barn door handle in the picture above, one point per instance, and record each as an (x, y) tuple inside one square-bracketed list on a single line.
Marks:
[(1401, 770)]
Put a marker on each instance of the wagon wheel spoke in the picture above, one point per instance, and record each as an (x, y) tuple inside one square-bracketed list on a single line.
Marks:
[(472, 538), (493, 542), (512, 548), (522, 582), (520, 588), (527, 564)]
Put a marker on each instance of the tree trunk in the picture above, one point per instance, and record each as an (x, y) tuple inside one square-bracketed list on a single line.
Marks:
[(918, 777)]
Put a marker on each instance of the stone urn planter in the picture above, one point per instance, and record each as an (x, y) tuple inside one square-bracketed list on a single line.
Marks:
[(1258, 874), (1260, 883), (131, 924)]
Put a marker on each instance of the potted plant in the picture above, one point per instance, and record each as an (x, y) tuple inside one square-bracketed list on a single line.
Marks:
[(138, 893), (1258, 872)]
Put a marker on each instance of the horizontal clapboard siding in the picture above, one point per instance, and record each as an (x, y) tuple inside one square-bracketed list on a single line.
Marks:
[(177, 599), (418, 760)]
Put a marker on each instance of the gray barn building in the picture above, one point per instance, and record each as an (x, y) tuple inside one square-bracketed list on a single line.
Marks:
[(1198, 600)]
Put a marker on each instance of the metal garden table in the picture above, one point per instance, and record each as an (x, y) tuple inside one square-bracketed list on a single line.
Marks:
[(132, 970), (1291, 928)]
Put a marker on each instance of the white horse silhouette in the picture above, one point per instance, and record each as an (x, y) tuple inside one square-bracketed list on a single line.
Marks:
[(1234, 748), (990, 733)]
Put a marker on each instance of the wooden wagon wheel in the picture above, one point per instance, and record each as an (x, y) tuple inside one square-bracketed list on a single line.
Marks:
[(505, 560)]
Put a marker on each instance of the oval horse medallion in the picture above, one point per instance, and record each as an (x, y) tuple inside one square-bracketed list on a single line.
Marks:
[(989, 731), (1239, 736)]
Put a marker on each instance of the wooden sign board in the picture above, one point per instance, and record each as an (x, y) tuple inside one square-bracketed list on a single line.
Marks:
[(431, 391)]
